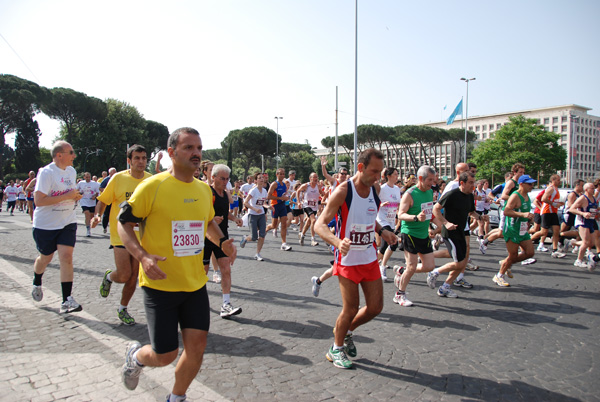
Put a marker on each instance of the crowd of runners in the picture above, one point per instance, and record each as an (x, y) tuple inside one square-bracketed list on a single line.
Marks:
[(172, 222)]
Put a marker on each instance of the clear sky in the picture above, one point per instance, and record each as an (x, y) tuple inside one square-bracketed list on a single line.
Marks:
[(222, 65)]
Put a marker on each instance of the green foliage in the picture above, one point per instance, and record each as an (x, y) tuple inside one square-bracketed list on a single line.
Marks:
[(524, 141), (27, 152), (250, 143)]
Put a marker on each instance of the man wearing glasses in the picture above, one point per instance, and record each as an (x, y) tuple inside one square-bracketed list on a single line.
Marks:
[(342, 175), (55, 222)]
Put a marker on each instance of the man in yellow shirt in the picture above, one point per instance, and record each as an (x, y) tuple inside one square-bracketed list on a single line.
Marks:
[(175, 214), (119, 189)]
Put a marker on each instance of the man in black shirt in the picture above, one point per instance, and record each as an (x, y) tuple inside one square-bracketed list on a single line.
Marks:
[(457, 204), (221, 201)]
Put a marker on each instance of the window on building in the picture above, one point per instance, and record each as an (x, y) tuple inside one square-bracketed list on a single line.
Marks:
[(470, 128), (500, 125), (563, 129), (564, 119), (484, 128), (538, 121), (554, 120), (477, 129), (555, 129), (547, 120), (563, 138)]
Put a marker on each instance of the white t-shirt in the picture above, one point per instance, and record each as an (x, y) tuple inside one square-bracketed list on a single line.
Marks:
[(387, 213), (245, 189), (53, 181), (21, 193), (90, 191), (258, 200), (311, 197), (11, 193)]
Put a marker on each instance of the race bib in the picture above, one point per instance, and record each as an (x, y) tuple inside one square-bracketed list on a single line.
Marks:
[(427, 207), (312, 203), (361, 236), (523, 228), (187, 237), (260, 202)]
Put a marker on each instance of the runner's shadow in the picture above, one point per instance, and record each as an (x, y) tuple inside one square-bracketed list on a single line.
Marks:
[(473, 388), (270, 297), (407, 321)]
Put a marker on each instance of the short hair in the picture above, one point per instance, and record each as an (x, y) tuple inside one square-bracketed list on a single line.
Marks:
[(471, 165), (135, 148), (366, 155), (596, 182), (588, 185), (220, 168), (291, 172), (389, 171), (342, 168), (507, 175), (282, 169), (425, 171), (58, 147), (464, 177), (84, 173), (554, 177), (204, 165), (517, 166), (174, 137), (578, 181)]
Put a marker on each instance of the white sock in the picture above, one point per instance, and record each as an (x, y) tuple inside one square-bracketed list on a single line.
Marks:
[(136, 361), (225, 298), (435, 271), (460, 276), (122, 307), (337, 347), (108, 277), (175, 398)]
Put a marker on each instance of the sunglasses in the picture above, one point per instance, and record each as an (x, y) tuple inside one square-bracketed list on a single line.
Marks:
[(71, 152)]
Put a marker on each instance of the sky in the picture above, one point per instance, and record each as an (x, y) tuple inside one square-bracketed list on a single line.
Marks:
[(223, 65)]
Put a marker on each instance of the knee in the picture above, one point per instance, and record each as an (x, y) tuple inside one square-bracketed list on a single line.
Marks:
[(164, 359), (374, 309), (349, 312)]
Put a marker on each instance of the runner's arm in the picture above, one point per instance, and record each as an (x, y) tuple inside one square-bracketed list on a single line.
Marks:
[(327, 176), (334, 204)]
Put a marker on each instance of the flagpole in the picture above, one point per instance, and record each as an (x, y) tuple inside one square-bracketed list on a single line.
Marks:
[(467, 114)]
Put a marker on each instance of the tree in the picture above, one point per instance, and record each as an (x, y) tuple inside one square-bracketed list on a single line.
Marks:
[(524, 141), (156, 135), (77, 111), (27, 151), (250, 143)]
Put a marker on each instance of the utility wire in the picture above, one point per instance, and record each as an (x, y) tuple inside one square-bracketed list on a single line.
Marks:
[(22, 61)]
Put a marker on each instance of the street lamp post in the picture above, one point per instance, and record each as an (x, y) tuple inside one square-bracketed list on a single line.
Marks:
[(467, 113), (277, 144)]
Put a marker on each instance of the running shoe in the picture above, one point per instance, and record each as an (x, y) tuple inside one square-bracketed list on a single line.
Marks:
[(349, 345), (580, 264), (482, 246), (286, 247), (462, 283), (70, 306), (339, 358), (313, 242), (542, 248), (446, 292), (509, 273), (575, 250), (89, 234), (402, 300), (528, 261), (566, 246), (383, 275), (217, 277), (178, 399), (301, 239), (257, 257), (315, 286), (105, 285), (37, 293), (472, 267), (398, 270), (558, 254), (126, 317), (500, 281), (243, 242), (431, 279), (227, 310), (130, 372), (274, 232), (591, 263)]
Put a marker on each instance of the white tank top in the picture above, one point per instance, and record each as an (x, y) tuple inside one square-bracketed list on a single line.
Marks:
[(356, 221), (311, 197)]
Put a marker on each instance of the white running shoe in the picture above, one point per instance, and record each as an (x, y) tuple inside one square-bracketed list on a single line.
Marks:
[(257, 257), (70, 306), (274, 232), (402, 300), (217, 277), (313, 242), (580, 264), (37, 293), (558, 254), (315, 286), (446, 292), (541, 248), (383, 275), (285, 247)]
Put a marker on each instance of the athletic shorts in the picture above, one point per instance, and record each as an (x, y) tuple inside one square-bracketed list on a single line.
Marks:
[(111, 247), (165, 311), (211, 248), (537, 218), (11, 204), (550, 219), (309, 211), (456, 244), (258, 226), (89, 209), (384, 244), (358, 273), (234, 204), (414, 245), (297, 212), (47, 241), (590, 224), (279, 210), (570, 222), (29, 198)]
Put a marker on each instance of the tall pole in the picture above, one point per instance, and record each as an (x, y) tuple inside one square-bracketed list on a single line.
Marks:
[(336, 128), (572, 147), (355, 81), (277, 144), (466, 114)]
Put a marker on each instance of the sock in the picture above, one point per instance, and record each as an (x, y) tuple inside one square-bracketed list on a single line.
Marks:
[(499, 275), (319, 281), (175, 398), (136, 361), (337, 347), (66, 289), (460, 276), (554, 250), (108, 277), (37, 279), (225, 298), (435, 271), (446, 286), (122, 307)]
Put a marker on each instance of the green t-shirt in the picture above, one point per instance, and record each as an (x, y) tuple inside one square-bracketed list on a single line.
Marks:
[(422, 201), (516, 229)]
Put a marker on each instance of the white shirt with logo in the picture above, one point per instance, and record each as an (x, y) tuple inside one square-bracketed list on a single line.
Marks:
[(258, 200), (53, 181), (89, 191), (387, 213)]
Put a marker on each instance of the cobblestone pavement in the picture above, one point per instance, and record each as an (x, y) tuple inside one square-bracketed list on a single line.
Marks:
[(537, 340)]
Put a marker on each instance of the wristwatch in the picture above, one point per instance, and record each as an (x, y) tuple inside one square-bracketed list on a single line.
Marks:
[(416, 218)]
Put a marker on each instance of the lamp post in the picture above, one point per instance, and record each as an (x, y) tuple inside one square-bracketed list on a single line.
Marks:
[(467, 113), (277, 144), (572, 147)]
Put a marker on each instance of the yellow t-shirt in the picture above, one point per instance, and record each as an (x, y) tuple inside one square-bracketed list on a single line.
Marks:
[(118, 189), (175, 215)]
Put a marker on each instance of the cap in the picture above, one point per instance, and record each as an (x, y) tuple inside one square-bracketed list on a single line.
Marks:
[(526, 179)]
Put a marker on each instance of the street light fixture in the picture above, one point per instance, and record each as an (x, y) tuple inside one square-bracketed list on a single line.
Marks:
[(277, 144), (467, 113)]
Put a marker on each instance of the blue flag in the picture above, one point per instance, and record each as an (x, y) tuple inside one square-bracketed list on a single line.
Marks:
[(457, 111)]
